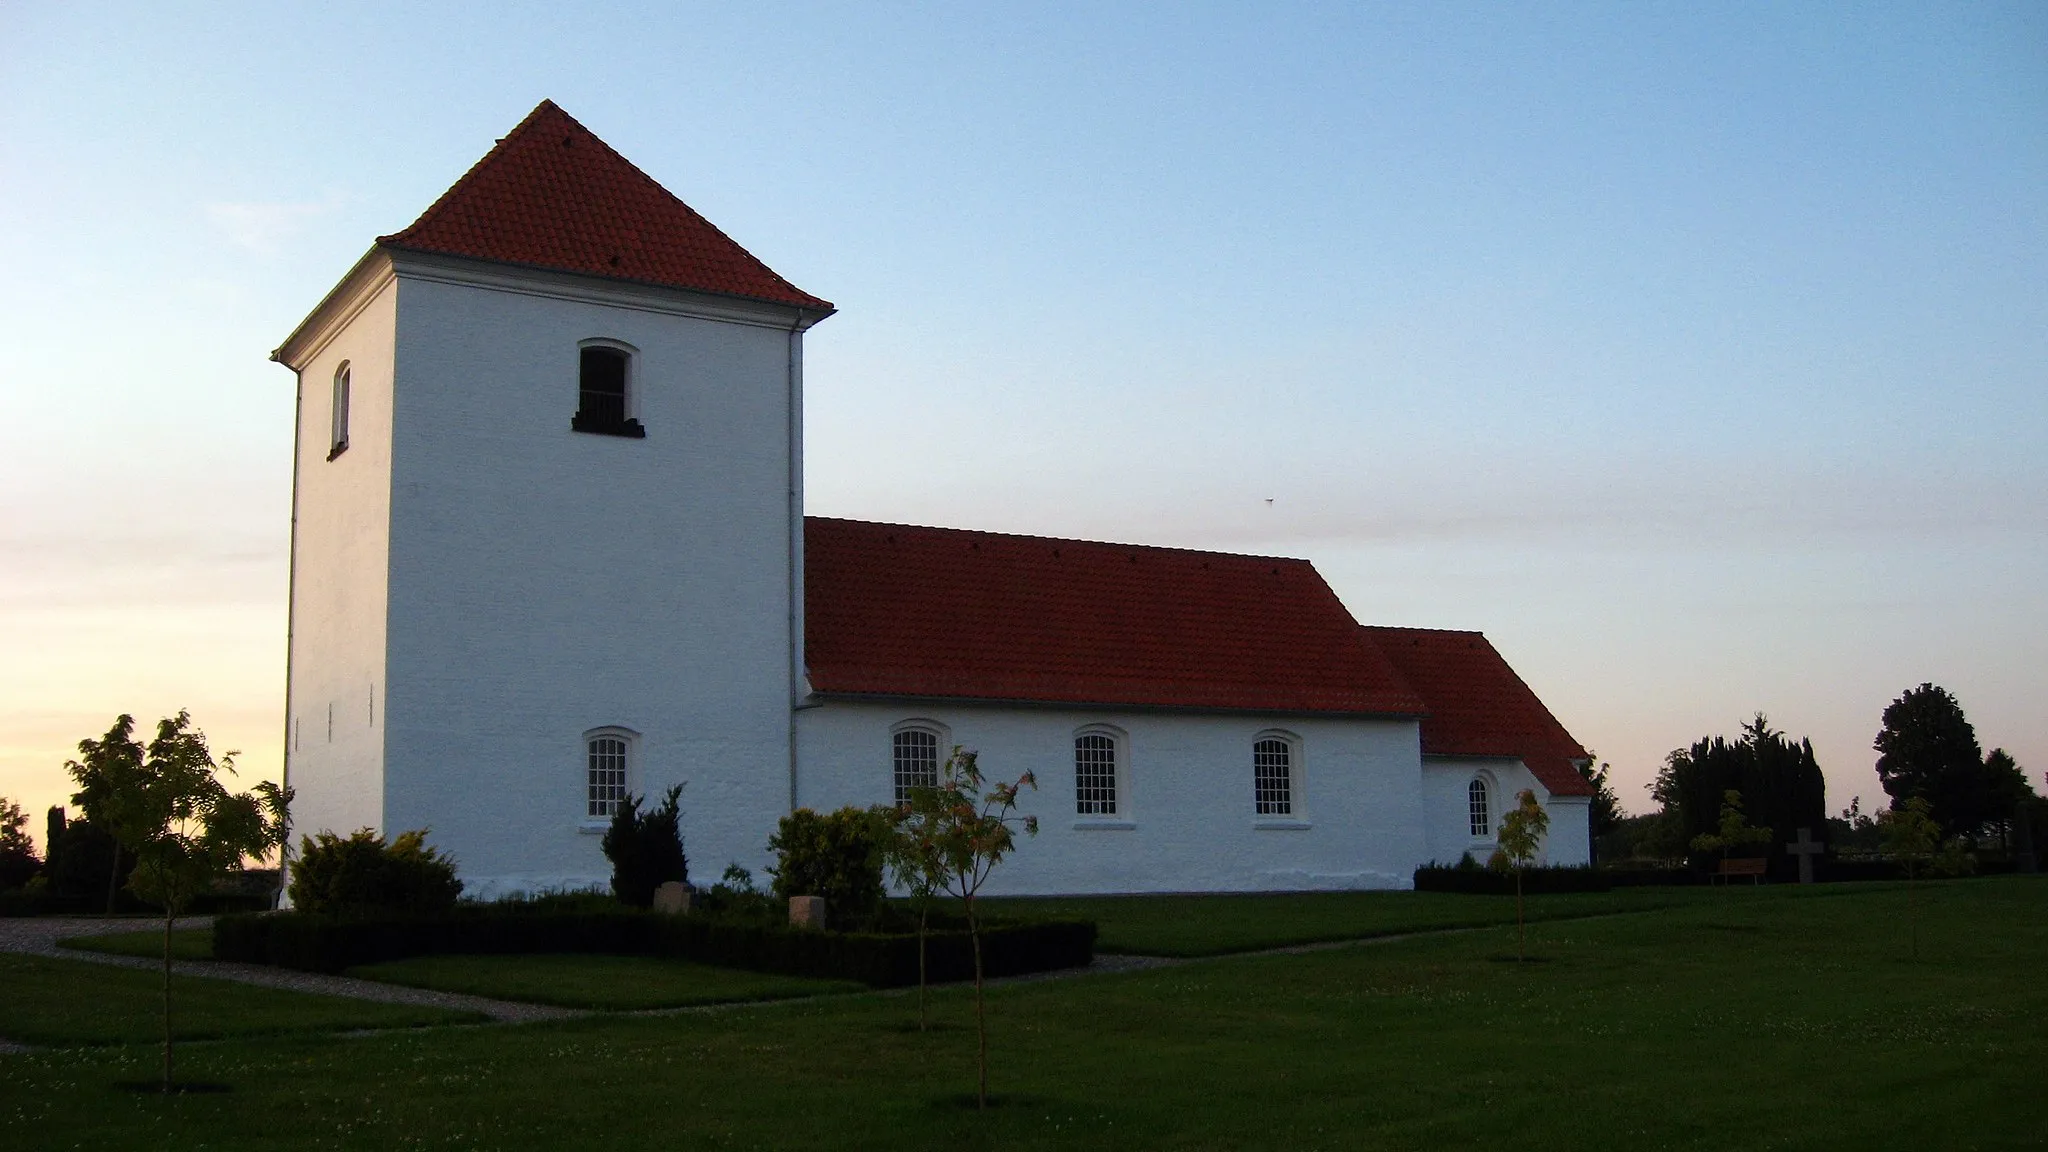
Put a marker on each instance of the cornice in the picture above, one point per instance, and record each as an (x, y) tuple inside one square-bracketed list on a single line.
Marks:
[(370, 276)]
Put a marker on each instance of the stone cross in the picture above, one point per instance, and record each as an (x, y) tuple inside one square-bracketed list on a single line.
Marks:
[(1806, 848)]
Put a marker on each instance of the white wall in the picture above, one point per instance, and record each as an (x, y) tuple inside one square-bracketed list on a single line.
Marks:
[(1446, 782), (546, 582), (1188, 824), (340, 537)]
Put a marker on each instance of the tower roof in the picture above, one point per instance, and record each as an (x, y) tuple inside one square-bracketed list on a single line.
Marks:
[(552, 195)]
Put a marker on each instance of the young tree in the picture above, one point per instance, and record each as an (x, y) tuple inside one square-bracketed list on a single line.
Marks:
[(1910, 836), (1734, 831), (971, 832), (1927, 749), (911, 853), (109, 773), (186, 831), (1521, 837)]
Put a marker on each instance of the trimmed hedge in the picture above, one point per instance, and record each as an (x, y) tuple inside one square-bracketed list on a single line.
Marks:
[(1476, 881), (330, 944)]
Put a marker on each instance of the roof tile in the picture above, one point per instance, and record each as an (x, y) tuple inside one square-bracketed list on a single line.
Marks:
[(552, 195)]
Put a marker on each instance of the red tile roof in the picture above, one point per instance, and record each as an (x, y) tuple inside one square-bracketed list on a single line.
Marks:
[(1477, 706), (937, 612), (552, 195)]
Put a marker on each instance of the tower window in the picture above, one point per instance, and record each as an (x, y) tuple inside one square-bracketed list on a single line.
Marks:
[(337, 422), (603, 379)]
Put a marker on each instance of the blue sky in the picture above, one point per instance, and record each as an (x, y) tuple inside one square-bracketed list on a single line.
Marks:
[(1694, 353)]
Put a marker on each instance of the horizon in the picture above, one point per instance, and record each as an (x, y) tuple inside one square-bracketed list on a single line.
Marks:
[(1694, 358)]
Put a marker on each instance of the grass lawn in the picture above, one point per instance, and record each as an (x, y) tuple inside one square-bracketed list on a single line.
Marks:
[(608, 982), (186, 943), (45, 1001), (1783, 1019), (1217, 925)]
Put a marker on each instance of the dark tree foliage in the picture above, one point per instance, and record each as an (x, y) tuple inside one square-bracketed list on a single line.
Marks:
[(78, 861), (1781, 785), (18, 860), (1606, 815), (361, 874), (1927, 750), (839, 856), (646, 848)]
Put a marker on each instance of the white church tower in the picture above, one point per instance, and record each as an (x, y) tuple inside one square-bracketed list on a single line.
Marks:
[(547, 522)]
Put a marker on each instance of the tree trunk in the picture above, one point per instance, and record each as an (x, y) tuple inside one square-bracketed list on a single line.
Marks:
[(980, 1015), (167, 997), (924, 911), (1519, 939)]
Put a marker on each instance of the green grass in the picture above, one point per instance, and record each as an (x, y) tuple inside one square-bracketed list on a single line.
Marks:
[(45, 1001), (604, 982), (1218, 925), (186, 943), (1793, 1021)]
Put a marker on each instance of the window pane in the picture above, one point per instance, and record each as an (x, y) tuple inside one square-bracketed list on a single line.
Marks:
[(1273, 778), (1095, 775), (917, 762), (607, 775)]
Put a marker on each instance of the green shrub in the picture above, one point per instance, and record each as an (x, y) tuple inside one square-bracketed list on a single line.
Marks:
[(646, 849), (837, 856), (362, 874)]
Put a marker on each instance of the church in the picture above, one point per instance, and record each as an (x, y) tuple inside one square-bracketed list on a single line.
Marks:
[(549, 550)]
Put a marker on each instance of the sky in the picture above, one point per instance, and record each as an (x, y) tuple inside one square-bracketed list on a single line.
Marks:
[(1694, 353)]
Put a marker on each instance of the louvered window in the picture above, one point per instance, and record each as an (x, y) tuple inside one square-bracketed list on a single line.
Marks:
[(603, 375)]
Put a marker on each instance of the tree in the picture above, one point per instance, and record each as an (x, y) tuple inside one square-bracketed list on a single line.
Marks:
[(1910, 837), (1521, 837), (18, 862), (1733, 832), (1927, 750), (187, 832), (1605, 815), (970, 834), (1780, 782), (913, 857), (109, 773), (646, 851)]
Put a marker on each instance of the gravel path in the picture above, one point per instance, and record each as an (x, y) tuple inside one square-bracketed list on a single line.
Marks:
[(38, 936)]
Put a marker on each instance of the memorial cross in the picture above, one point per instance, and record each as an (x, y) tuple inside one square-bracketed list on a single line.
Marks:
[(1806, 848)]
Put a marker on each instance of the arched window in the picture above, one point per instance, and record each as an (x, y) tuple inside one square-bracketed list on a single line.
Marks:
[(1095, 774), (603, 390), (1273, 776), (916, 760), (337, 419), (1481, 812), (609, 752)]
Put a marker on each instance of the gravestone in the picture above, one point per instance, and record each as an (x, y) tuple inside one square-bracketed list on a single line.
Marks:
[(1806, 848), (672, 898), (807, 912)]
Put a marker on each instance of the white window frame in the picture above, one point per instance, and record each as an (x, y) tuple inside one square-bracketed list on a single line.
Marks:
[(1120, 778), (942, 747), (1483, 789), (337, 412), (1296, 815), (629, 773)]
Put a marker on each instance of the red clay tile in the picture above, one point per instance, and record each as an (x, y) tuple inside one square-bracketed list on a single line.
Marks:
[(552, 195)]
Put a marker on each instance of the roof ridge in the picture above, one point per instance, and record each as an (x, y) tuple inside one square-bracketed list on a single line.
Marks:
[(1068, 540)]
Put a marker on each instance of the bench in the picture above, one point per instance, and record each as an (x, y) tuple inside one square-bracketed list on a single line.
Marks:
[(1750, 866)]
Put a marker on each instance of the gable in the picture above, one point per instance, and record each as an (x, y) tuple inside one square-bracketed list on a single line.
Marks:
[(1477, 706), (894, 610), (552, 195)]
